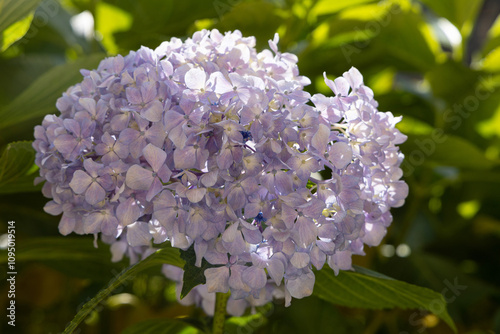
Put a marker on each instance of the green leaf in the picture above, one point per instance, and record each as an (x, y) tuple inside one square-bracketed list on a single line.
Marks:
[(60, 248), (16, 168), (193, 275), (161, 326), (328, 7), (40, 97), (459, 12), (491, 62), (444, 150), (245, 324), (15, 32), (375, 291), (73, 256), (452, 81), (439, 271), (111, 19), (258, 18), (12, 11), (409, 39), (167, 255)]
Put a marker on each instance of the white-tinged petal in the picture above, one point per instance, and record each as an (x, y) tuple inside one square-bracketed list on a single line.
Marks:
[(374, 233), (340, 154), (118, 249), (195, 78), (320, 138), (217, 279), (276, 270), (302, 286), (138, 234)]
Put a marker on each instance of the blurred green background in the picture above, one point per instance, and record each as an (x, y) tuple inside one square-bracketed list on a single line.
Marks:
[(436, 62)]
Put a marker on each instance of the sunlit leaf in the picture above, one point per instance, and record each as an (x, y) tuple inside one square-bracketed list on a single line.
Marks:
[(249, 323), (12, 11), (461, 13), (408, 38), (111, 19), (15, 32), (374, 291), (328, 7), (491, 62), (492, 39)]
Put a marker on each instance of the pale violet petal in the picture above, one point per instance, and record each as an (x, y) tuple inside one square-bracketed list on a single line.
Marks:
[(217, 279), (139, 178), (302, 286), (300, 260), (138, 234), (80, 182)]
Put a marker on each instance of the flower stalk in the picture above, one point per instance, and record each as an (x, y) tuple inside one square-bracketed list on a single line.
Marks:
[(220, 312)]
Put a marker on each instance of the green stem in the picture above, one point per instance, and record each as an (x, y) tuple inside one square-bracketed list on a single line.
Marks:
[(220, 312)]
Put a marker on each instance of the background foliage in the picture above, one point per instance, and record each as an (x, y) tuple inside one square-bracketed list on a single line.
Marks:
[(436, 62)]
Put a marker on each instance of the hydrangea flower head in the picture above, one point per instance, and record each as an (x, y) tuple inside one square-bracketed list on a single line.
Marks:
[(209, 144)]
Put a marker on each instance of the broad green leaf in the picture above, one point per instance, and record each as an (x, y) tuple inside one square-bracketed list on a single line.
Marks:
[(61, 26), (111, 19), (445, 150), (461, 13), (245, 324), (161, 326), (409, 39), (12, 11), (167, 255), (328, 7), (16, 168), (374, 291), (60, 248), (309, 315), (75, 257), (492, 39), (411, 126), (40, 97), (452, 81), (491, 62), (353, 24), (259, 19), (385, 35), (442, 273), (15, 32), (155, 21), (193, 275)]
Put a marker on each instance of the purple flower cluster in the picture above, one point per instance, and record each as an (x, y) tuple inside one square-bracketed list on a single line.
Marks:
[(207, 143)]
